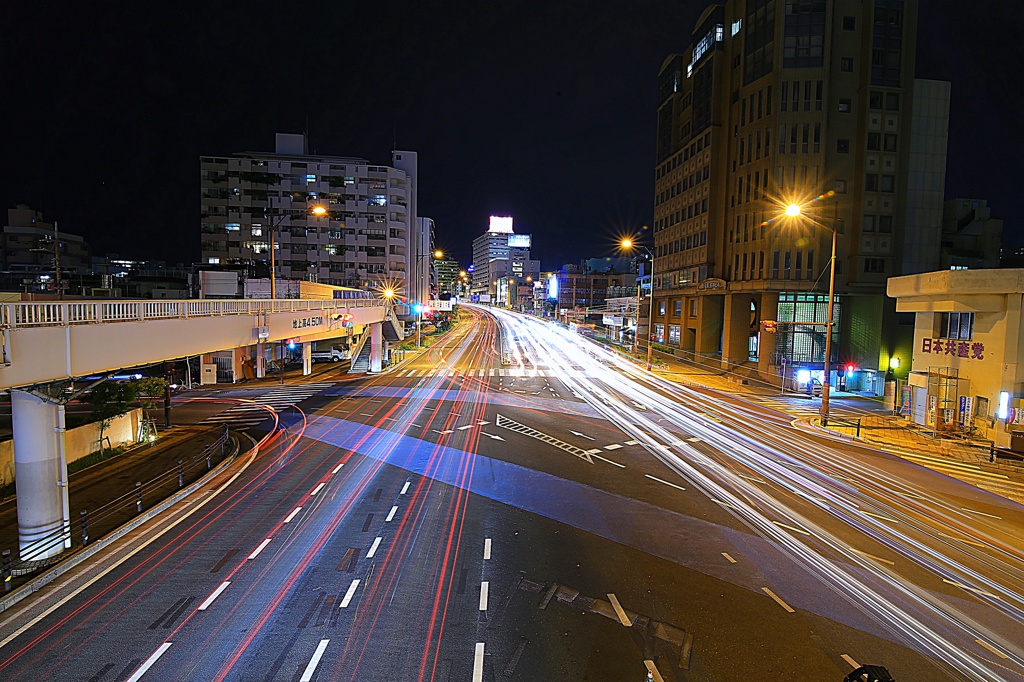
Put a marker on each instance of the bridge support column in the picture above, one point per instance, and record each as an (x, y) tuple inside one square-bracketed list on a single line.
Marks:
[(41, 474), (307, 358), (376, 346), (261, 360)]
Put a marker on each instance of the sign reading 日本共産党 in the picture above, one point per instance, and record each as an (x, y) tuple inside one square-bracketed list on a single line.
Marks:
[(960, 349)]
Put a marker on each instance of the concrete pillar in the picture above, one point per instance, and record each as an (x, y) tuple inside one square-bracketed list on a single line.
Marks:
[(41, 474), (307, 358), (261, 360), (736, 330), (237, 374), (768, 310), (709, 326), (376, 346)]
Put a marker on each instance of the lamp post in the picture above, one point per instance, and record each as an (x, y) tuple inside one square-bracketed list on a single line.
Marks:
[(317, 210), (438, 254), (794, 211), (629, 245)]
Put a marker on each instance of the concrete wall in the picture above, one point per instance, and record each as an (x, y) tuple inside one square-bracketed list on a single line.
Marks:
[(80, 442)]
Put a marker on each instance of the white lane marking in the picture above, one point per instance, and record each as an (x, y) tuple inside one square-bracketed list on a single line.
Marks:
[(729, 558), (853, 663), (655, 478), (991, 648), (337, 468), (390, 419), (149, 662), (778, 600), (482, 423), (484, 589), (872, 556), (391, 514), (750, 478), (288, 519), (443, 433), (877, 516), (619, 611), (632, 442), (653, 670), (575, 433), (307, 674), (487, 549), (373, 548), (262, 546), (463, 428), (613, 446), (216, 593), (724, 504), (348, 595), (795, 530), (363, 414), (621, 466), (972, 589), (317, 489), (405, 488), (974, 511), (478, 662), (692, 439)]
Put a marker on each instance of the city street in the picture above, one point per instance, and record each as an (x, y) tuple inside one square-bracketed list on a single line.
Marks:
[(568, 516)]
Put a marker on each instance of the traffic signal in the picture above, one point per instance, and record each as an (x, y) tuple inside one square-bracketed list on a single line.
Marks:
[(850, 369), (417, 308)]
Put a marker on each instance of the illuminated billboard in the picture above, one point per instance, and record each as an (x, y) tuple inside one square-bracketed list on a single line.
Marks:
[(552, 287), (501, 224), (519, 241)]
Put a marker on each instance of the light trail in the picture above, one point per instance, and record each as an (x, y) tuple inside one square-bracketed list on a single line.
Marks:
[(612, 385)]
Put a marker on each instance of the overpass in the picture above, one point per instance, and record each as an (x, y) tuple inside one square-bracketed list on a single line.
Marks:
[(43, 343)]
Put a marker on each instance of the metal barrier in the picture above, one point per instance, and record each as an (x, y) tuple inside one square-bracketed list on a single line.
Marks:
[(15, 315), (132, 502)]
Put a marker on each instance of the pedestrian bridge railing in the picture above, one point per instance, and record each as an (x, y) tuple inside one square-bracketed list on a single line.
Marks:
[(19, 315)]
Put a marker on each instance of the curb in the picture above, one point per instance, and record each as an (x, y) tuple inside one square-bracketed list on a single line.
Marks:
[(77, 558)]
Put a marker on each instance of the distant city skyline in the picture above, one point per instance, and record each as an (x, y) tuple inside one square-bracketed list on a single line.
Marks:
[(553, 124)]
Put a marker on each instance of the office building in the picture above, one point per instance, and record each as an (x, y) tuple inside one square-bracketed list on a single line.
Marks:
[(252, 199), (446, 274), (501, 259), (792, 102), (423, 283)]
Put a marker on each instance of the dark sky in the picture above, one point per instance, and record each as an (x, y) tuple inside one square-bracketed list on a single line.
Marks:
[(540, 110)]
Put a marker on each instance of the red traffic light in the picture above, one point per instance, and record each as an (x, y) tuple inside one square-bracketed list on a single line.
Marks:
[(850, 369)]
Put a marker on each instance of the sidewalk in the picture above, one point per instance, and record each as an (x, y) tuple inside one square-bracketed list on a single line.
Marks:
[(154, 465), (964, 460)]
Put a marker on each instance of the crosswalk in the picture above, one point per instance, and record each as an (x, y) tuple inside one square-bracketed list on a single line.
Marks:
[(493, 372), (245, 415)]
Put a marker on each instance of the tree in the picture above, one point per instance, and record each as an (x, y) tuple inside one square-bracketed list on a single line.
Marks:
[(112, 398)]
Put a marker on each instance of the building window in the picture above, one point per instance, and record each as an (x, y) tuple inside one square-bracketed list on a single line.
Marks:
[(843, 146), (874, 100), (885, 223), (846, 64), (956, 326), (869, 224), (662, 305), (840, 186), (673, 334), (849, 23), (659, 333), (890, 143), (784, 98), (875, 265), (693, 307), (845, 106), (874, 142), (892, 101), (679, 307), (888, 183), (871, 182)]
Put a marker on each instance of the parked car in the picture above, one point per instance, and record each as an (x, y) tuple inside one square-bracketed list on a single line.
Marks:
[(335, 354)]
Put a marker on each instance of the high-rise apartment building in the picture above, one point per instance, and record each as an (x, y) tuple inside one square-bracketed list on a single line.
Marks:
[(446, 274), (253, 199), (779, 102)]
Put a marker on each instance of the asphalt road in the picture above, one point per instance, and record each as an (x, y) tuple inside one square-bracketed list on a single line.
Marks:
[(564, 518)]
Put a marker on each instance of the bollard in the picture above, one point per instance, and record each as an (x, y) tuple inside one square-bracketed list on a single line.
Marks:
[(138, 496), (85, 528), (7, 570), (181, 475), (858, 427)]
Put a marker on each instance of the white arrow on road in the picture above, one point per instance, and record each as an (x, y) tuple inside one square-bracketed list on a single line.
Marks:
[(581, 435), (492, 436)]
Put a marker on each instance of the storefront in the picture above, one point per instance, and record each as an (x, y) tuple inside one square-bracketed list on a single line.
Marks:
[(965, 377)]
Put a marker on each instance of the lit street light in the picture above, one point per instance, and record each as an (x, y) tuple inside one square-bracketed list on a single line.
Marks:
[(795, 211), (628, 245)]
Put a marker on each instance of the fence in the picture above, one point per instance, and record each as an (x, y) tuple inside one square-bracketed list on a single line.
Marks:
[(95, 522)]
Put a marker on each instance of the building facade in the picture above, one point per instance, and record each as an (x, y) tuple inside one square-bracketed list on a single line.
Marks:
[(446, 274), (28, 248), (965, 362), (252, 199), (501, 260), (781, 102), (971, 236)]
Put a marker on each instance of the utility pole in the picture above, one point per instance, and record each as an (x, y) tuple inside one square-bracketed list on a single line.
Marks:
[(56, 261)]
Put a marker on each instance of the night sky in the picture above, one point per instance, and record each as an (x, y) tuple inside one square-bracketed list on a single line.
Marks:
[(540, 110)]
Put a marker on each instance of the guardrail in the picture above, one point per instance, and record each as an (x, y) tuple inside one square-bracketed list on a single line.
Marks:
[(17, 315)]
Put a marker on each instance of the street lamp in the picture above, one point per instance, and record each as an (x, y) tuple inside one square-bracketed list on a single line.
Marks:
[(795, 211), (418, 307), (316, 210), (628, 245)]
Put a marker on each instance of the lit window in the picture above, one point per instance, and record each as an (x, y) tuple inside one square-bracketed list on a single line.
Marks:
[(232, 227), (213, 261)]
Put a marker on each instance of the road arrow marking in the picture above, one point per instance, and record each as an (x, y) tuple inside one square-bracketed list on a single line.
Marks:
[(581, 435), (492, 436)]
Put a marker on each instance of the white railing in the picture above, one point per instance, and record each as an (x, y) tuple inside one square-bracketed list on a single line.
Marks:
[(15, 315)]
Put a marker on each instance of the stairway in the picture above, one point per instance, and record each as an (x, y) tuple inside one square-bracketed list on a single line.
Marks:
[(361, 363)]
